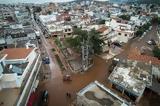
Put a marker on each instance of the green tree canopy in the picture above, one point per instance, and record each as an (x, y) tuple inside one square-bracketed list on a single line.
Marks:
[(101, 22), (156, 52), (91, 38), (159, 20), (96, 42), (125, 17), (142, 29)]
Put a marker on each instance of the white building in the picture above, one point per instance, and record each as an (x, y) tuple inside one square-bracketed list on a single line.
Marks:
[(122, 36), (7, 12), (46, 19), (55, 27), (95, 94), (123, 30), (140, 20), (23, 16), (131, 78), (19, 68), (114, 23)]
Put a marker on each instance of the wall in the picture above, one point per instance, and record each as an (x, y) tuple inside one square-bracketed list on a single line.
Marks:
[(9, 81), (31, 57), (1, 68), (124, 37), (31, 36)]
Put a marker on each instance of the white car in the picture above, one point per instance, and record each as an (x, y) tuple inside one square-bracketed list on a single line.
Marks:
[(151, 42)]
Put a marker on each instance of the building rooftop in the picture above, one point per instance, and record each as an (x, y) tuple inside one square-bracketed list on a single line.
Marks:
[(133, 76), (102, 29), (17, 53), (97, 95), (15, 68), (47, 18), (9, 96), (144, 58), (14, 82)]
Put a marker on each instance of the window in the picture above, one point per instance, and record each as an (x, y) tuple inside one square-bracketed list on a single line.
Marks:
[(65, 30), (119, 33), (125, 35), (69, 29)]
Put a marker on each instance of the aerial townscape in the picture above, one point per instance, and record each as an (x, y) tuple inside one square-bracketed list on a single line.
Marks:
[(79, 52)]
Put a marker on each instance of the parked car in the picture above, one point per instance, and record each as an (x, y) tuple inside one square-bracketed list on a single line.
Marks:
[(151, 42), (45, 96), (46, 60)]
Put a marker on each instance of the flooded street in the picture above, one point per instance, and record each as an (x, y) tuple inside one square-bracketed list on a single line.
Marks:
[(57, 88)]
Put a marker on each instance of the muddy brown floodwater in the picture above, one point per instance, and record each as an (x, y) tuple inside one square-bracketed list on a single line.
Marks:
[(57, 88)]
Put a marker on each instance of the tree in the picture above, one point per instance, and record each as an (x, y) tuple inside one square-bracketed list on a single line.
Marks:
[(28, 9), (156, 19), (49, 12), (109, 15), (156, 52), (140, 32), (102, 22), (95, 41), (146, 26), (125, 17), (91, 38), (37, 9), (152, 6), (142, 29)]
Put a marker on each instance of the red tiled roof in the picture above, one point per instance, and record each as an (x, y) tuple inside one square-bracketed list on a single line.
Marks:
[(17, 53), (144, 58), (63, 16), (102, 29), (124, 31)]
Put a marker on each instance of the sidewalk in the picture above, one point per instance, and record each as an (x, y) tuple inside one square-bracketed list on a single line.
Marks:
[(61, 56)]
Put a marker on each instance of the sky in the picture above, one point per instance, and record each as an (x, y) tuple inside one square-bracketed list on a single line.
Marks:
[(31, 1)]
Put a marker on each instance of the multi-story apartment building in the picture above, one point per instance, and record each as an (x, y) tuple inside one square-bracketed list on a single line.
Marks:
[(19, 68), (7, 12)]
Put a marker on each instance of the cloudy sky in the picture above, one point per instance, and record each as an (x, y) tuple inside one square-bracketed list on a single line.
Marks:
[(31, 1)]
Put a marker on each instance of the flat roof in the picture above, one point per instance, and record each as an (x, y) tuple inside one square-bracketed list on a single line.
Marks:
[(17, 53), (47, 18), (96, 94), (9, 96), (133, 76), (15, 68), (144, 58)]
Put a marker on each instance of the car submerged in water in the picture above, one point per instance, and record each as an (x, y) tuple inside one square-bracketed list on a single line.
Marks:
[(151, 42), (44, 98), (46, 60)]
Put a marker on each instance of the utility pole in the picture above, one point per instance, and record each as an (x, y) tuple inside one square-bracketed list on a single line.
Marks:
[(85, 54)]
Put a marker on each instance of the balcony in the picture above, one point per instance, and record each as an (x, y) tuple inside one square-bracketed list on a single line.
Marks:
[(28, 82), (19, 96)]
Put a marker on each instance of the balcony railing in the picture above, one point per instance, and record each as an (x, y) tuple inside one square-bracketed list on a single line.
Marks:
[(26, 91)]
